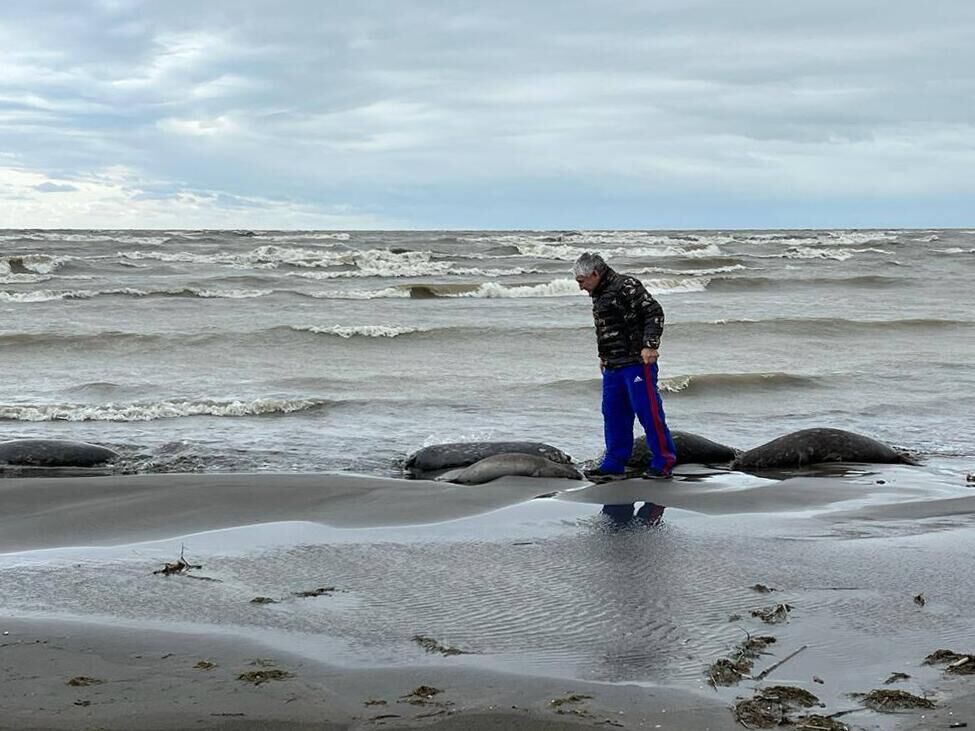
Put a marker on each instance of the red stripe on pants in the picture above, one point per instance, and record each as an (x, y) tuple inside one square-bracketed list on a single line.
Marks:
[(658, 426)]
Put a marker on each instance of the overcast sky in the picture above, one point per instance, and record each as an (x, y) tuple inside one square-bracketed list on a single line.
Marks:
[(494, 114)]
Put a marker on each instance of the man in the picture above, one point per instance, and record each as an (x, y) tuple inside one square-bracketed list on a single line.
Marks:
[(629, 323)]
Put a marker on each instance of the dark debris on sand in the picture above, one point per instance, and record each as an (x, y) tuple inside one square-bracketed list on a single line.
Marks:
[(320, 591), (83, 681), (263, 600), (181, 567), (257, 677), (431, 645), (422, 695), (815, 722), (774, 614), (956, 663), (896, 678), (770, 706), (731, 670), (892, 701)]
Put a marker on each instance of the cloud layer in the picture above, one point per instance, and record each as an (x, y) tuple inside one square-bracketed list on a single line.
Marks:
[(437, 114)]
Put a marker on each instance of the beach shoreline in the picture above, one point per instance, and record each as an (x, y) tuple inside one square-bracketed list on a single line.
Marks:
[(151, 679)]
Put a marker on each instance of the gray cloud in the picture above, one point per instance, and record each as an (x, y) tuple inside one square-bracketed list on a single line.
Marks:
[(55, 188), (365, 105)]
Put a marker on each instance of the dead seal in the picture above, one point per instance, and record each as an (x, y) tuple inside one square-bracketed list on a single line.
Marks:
[(54, 453), (514, 464), (691, 449), (817, 446), (431, 462)]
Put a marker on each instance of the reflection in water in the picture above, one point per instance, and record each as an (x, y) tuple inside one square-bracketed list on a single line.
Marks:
[(650, 514)]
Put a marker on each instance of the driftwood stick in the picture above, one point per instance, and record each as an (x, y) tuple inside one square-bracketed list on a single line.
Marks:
[(785, 659)]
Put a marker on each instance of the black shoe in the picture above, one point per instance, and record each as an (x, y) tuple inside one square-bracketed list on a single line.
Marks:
[(599, 473), (651, 474)]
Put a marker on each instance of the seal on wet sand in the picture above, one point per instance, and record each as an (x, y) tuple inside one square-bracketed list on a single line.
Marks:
[(432, 461), (815, 446), (53, 453), (513, 464)]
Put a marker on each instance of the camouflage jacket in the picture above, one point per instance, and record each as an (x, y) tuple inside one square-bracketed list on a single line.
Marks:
[(627, 317)]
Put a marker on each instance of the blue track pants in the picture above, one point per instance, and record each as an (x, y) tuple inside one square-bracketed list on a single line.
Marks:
[(627, 392)]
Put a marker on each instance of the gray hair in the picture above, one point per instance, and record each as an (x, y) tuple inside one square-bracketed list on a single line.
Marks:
[(587, 264)]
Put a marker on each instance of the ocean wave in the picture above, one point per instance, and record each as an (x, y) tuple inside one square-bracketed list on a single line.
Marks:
[(735, 382), (703, 383), (156, 410), (865, 281), (954, 250), (24, 278), (807, 325), (31, 264), (727, 269), (50, 295), (439, 268), (556, 288), (313, 235), (369, 331), (566, 252), (378, 262)]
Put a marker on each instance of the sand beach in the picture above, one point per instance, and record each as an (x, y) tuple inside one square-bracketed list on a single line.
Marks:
[(406, 603)]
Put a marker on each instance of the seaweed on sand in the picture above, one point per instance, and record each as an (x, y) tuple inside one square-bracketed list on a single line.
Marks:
[(957, 663), (320, 591), (257, 677), (431, 645), (423, 696), (771, 706), (774, 614), (82, 681), (815, 722), (179, 566), (892, 701), (732, 669)]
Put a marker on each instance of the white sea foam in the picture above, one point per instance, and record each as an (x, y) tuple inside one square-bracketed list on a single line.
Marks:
[(362, 294), (567, 287), (493, 290), (314, 235), (419, 270), (564, 252), (954, 250), (369, 331), (808, 252), (152, 411), (688, 272), (50, 295), (7, 278)]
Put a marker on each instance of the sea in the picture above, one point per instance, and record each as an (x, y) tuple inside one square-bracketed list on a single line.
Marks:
[(310, 351)]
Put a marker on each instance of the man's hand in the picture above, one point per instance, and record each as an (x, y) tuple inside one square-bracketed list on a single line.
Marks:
[(602, 365), (649, 355)]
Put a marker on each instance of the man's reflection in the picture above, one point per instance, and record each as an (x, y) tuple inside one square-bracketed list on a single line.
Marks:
[(650, 514)]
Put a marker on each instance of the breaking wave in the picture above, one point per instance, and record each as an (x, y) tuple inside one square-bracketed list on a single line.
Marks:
[(865, 282), (50, 295), (735, 382), (811, 252), (369, 331), (158, 410), (31, 264), (556, 288), (565, 252), (704, 383)]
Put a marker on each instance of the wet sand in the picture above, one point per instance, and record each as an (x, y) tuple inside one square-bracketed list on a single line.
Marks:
[(549, 600)]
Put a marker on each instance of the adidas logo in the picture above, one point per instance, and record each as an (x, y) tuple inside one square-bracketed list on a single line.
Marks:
[(638, 379)]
